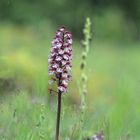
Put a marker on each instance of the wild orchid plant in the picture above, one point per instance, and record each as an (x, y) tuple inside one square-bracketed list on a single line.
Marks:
[(60, 65)]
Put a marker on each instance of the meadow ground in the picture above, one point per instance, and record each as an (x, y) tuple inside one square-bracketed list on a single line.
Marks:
[(28, 111)]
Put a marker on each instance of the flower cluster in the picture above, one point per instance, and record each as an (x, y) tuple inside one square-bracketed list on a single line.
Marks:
[(60, 59), (99, 136)]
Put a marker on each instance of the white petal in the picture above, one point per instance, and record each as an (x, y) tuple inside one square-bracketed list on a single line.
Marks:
[(68, 67), (67, 35), (64, 75), (66, 57), (65, 82), (53, 54), (54, 47), (66, 49), (66, 44), (61, 88), (55, 66), (59, 70), (63, 62), (55, 40), (69, 41), (58, 45), (62, 29), (58, 33), (61, 52), (49, 60), (58, 58)]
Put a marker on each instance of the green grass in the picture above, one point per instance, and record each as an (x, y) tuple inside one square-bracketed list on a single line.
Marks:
[(28, 112)]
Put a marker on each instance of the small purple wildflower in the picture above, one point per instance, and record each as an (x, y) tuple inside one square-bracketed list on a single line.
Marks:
[(60, 59), (98, 136)]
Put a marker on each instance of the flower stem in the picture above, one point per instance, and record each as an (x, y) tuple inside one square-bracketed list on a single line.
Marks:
[(58, 115)]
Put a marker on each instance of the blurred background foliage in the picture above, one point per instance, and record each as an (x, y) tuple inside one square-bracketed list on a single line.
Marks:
[(26, 31), (114, 18)]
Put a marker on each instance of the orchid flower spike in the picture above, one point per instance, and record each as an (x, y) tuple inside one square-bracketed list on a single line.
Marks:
[(60, 59)]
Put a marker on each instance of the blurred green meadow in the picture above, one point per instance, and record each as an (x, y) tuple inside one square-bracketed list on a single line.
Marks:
[(28, 111), (113, 88)]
